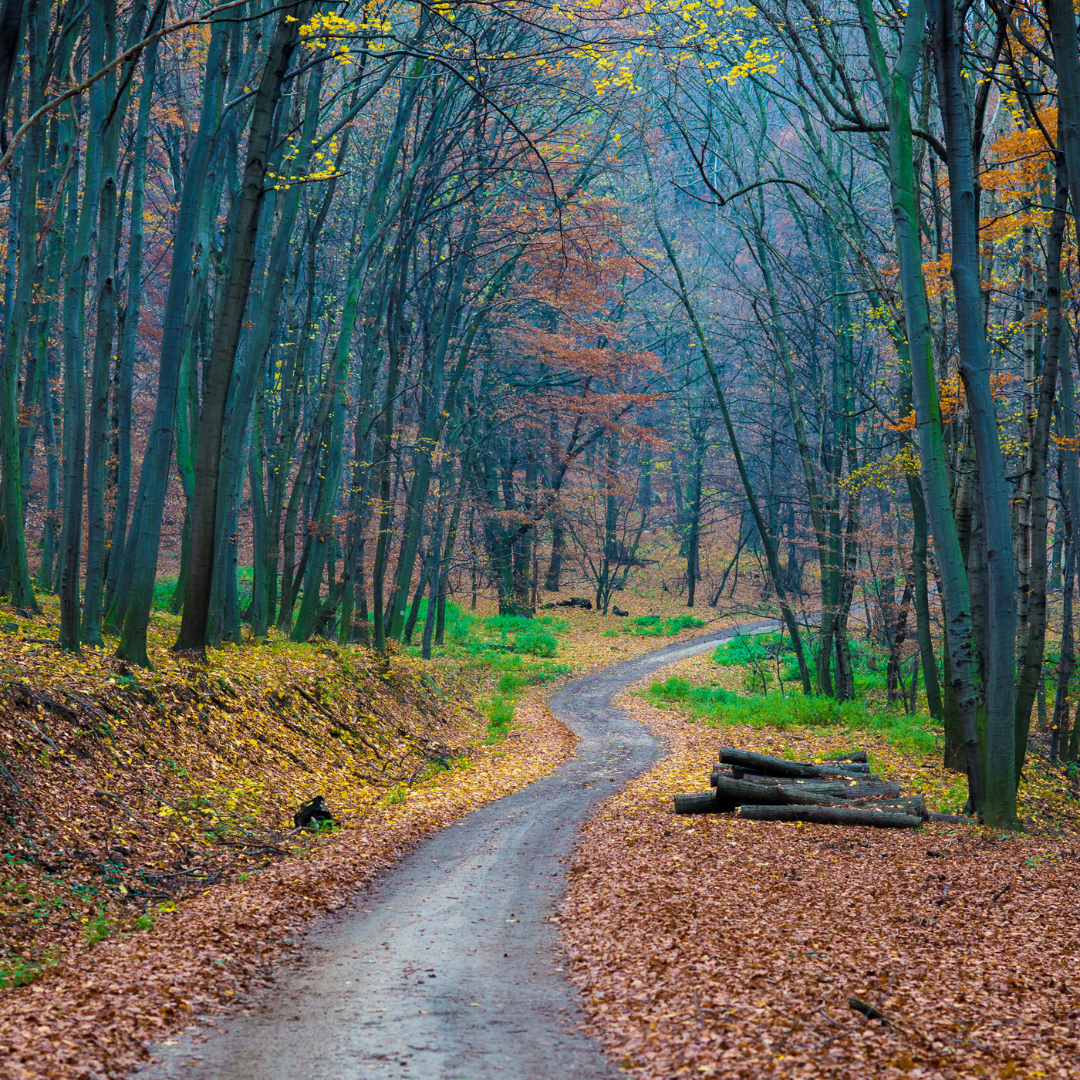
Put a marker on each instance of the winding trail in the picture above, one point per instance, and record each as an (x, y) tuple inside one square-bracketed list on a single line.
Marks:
[(446, 968)]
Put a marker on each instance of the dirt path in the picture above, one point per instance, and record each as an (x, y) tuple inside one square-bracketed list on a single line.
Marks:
[(446, 969)]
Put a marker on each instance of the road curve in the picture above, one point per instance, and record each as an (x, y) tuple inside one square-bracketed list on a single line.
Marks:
[(446, 968)]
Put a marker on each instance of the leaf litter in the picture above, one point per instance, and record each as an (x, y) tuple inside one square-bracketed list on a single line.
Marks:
[(709, 946)]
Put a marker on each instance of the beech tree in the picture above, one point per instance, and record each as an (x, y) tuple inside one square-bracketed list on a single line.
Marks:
[(333, 312)]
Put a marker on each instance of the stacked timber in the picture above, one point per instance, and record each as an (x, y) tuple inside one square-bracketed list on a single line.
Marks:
[(838, 791)]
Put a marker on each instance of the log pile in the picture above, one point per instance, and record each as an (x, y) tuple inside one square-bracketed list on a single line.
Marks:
[(838, 791)]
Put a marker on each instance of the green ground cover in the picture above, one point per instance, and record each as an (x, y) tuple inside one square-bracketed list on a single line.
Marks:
[(771, 696)]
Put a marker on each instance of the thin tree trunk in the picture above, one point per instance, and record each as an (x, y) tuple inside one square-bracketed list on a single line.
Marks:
[(382, 459), (1067, 663), (103, 48), (767, 541), (132, 311), (46, 578), (693, 552), (15, 579), (923, 628), (1031, 676)]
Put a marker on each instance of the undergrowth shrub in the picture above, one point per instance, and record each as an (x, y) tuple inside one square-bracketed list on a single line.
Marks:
[(512, 683), (771, 656), (164, 587), (17, 971), (458, 625), (500, 716), (673, 688)]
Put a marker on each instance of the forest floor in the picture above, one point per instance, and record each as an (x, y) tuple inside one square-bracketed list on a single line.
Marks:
[(151, 874), (150, 870), (738, 945)]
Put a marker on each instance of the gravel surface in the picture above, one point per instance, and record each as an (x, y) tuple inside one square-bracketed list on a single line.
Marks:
[(447, 968)]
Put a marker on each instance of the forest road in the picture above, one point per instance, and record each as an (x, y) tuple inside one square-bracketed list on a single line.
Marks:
[(446, 968)]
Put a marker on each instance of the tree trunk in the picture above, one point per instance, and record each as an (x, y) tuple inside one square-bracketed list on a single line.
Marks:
[(46, 577), (896, 89), (693, 546), (382, 457), (1031, 674), (193, 629), (919, 583), (74, 426), (135, 585), (15, 579), (103, 49), (1001, 776), (132, 311)]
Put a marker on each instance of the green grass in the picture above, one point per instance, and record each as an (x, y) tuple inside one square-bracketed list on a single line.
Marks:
[(500, 715), (516, 648), (654, 626), (97, 929), (164, 587), (536, 643), (678, 623), (459, 625), (515, 674), (717, 707), (397, 794), (492, 635), (509, 624), (744, 650)]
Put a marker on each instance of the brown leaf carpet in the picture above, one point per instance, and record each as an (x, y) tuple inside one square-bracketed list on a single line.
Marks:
[(712, 947)]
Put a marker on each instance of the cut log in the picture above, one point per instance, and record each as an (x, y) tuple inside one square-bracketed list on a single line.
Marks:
[(770, 766), (953, 819), (855, 755), (845, 768), (832, 815), (824, 773), (753, 774), (702, 802), (910, 804), (792, 770), (856, 772), (778, 792)]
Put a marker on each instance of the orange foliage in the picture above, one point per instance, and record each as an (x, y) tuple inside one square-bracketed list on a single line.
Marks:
[(951, 401)]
